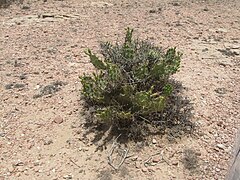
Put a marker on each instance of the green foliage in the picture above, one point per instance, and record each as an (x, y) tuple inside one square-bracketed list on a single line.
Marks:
[(132, 80)]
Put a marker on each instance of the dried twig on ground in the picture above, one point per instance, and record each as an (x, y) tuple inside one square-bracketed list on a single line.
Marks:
[(124, 154), (149, 160), (74, 163)]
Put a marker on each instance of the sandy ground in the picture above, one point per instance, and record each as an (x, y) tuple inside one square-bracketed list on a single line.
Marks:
[(42, 135)]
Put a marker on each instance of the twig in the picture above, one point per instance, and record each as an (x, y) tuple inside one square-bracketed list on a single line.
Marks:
[(165, 161), (130, 156), (146, 162), (123, 156), (145, 119), (74, 163)]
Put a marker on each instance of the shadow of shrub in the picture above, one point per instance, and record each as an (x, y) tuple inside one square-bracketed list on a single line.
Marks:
[(174, 122), (7, 3)]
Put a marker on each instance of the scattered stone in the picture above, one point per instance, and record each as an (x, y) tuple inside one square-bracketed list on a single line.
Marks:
[(198, 153), (69, 113), (58, 120), (205, 9), (154, 141), (218, 170), (236, 52), (137, 164), (231, 46), (69, 176), (81, 171), (101, 4), (134, 158), (47, 16), (175, 4), (48, 142), (139, 145), (151, 169), (36, 163), (221, 30), (205, 50), (19, 163), (2, 134), (221, 90), (37, 87), (152, 11), (25, 7), (175, 163), (85, 149), (144, 169), (221, 146), (52, 50), (156, 159), (22, 77)]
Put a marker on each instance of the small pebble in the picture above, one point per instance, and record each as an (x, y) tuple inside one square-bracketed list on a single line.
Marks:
[(144, 169), (138, 164), (221, 146), (58, 120)]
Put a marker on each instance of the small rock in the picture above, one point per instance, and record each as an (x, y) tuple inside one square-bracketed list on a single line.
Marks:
[(2, 134), (101, 4), (205, 9), (29, 146), (58, 120), (144, 169), (134, 158), (25, 7), (36, 163), (19, 163), (221, 30), (232, 46), (198, 153), (47, 16), (139, 144), (22, 77), (156, 159), (221, 90), (152, 11), (69, 176), (175, 4), (85, 149), (154, 141), (151, 169), (175, 163), (37, 87), (69, 113), (205, 50), (138, 164), (217, 170), (48, 142), (221, 146)]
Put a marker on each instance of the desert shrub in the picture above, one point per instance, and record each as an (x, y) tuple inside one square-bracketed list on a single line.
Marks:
[(132, 81)]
